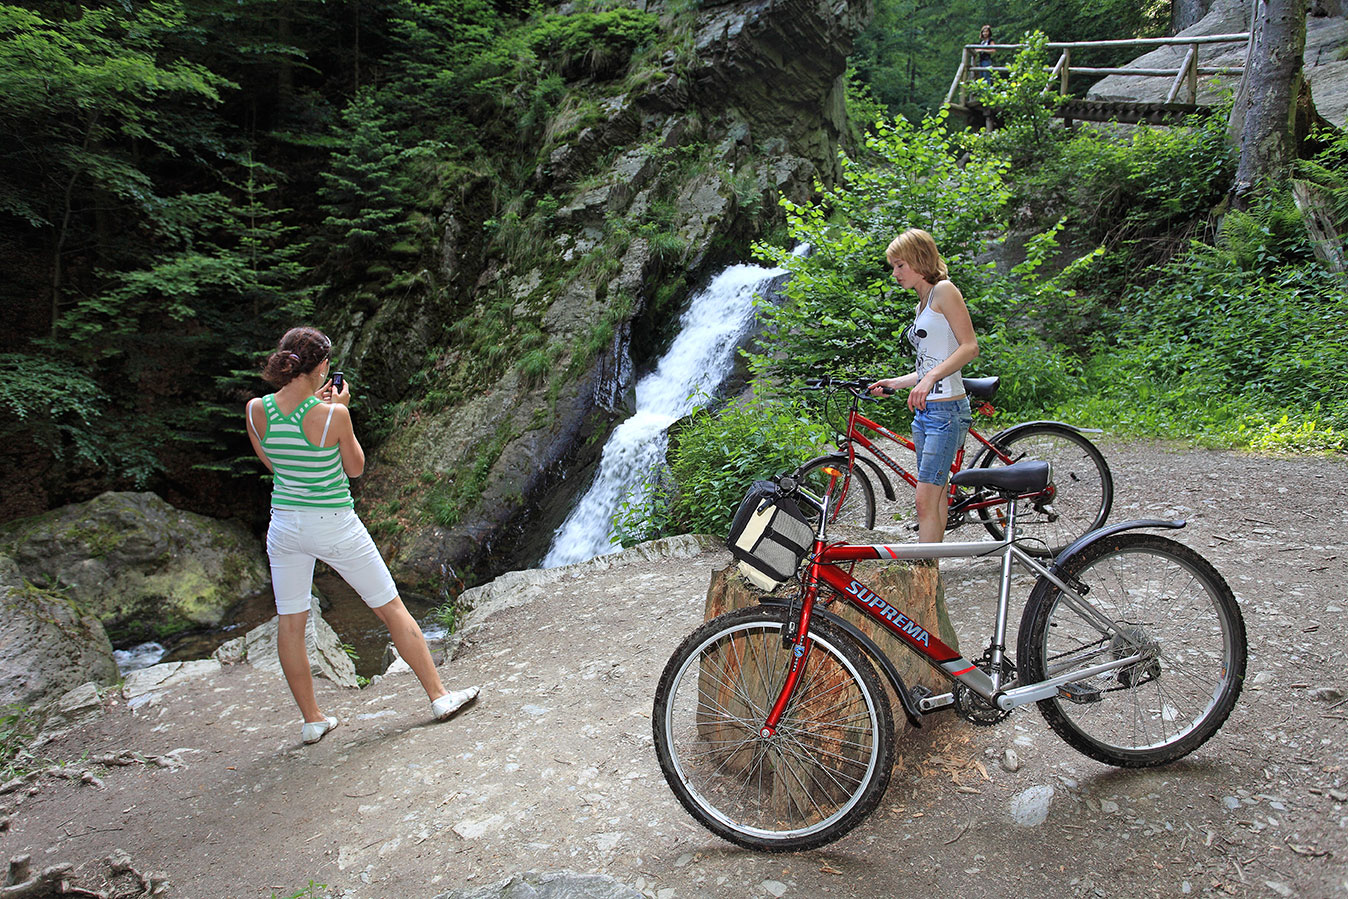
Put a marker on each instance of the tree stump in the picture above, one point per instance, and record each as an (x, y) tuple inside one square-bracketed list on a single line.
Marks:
[(912, 587), (739, 681)]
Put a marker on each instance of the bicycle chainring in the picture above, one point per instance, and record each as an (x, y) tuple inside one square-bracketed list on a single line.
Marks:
[(974, 708)]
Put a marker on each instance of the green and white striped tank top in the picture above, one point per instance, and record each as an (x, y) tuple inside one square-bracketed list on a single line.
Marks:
[(304, 476)]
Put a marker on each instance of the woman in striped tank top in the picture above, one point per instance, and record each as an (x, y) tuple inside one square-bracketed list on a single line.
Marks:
[(303, 434)]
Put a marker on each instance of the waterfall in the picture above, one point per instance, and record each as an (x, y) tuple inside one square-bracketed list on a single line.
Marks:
[(700, 359)]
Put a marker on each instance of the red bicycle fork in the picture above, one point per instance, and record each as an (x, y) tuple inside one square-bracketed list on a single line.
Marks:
[(800, 656)]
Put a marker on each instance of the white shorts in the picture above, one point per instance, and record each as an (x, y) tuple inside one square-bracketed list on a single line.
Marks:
[(296, 537)]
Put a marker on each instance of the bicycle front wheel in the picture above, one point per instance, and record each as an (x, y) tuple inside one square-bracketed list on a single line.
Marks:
[(1085, 488), (823, 771), (853, 501), (1150, 596)]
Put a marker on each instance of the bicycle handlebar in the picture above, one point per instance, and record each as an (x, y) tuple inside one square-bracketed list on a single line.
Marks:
[(858, 387)]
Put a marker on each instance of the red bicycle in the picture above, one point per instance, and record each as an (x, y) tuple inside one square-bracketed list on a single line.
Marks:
[(1075, 503), (773, 724)]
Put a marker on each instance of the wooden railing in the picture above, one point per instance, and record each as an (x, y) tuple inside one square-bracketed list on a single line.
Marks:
[(1185, 76)]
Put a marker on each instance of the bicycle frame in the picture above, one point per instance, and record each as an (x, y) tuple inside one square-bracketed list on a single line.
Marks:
[(825, 572), (858, 424)]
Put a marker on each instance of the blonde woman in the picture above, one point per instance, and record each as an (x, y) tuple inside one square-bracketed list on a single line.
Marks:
[(303, 434), (943, 336)]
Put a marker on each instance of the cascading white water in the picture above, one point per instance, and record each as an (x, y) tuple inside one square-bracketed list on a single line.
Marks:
[(701, 358)]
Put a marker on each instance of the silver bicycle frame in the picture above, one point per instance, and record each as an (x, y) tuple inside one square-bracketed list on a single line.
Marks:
[(991, 688)]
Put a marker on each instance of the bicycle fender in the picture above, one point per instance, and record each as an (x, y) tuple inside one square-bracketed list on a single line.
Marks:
[(840, 459), (891, 672), (1106, 532), (1027, 425), (880, 476)]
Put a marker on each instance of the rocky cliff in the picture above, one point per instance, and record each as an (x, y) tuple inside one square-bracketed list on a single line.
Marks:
[(510, 358)]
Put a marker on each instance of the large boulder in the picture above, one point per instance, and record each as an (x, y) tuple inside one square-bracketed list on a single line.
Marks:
[(142, 567), (327, 657), (47, 644), (1325, 66)]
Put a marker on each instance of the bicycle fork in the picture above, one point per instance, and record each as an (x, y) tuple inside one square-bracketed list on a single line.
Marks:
[(800, 657)]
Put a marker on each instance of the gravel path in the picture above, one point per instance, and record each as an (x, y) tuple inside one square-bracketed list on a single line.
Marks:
[(553, 768)]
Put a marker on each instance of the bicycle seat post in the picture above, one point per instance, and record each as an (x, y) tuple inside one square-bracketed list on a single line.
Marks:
[(997, 651)]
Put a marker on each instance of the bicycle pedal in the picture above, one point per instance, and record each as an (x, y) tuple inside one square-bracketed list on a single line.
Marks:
[(1080, 693)]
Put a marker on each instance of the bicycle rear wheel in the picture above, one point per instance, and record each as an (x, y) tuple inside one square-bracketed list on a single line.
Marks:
[(853, 502), (814, 780), (1161, 599), (1085, 488)]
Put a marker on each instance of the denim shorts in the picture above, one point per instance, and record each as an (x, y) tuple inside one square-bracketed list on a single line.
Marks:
[(938, 434), (296, 537)]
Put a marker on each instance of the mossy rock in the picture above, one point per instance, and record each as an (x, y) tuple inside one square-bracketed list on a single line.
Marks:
[(142, 567), (47, 644)]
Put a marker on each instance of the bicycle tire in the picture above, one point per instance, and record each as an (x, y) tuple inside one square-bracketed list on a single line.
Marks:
[(853, 502), (1085, 488), (819, 776), (1182, 611)]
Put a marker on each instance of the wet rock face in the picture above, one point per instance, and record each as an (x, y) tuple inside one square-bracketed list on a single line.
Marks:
[(663, 176), (135, 563), (781, 62), (47, 644)]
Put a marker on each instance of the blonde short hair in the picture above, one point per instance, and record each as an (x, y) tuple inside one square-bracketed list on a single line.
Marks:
[(917, 248)]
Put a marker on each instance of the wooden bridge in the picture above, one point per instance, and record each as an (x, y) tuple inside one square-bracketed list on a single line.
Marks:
[(1181, 101)]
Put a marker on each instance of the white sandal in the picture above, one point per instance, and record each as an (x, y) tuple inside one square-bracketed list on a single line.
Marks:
[(452, 701), (313, 731)]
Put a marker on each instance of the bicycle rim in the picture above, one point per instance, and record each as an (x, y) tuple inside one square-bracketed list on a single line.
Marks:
[(1085, 490), (1176, 610), (816, 778)]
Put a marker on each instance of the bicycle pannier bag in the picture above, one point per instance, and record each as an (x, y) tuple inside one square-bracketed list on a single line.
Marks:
[(769, 536)]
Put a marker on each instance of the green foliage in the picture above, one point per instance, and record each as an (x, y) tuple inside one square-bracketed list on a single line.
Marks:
[(368, 190), (313, 890), (60, 408), (1138, 191), (909, 53), (1265, 237), (1210, 349), (16, 732), (714, 457), (592, 43), (1328, 170), (446, 501), (1308, 435), (840, 313), (448, 615), (1021, 101)]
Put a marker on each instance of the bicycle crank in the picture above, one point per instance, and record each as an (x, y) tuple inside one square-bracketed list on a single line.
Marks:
[(974, 708)]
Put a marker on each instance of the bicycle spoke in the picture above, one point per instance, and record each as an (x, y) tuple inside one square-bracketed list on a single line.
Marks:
[(808, 782)]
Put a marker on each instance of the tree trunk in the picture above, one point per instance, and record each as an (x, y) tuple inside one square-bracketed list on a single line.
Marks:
[(1265, 109), (1184, 13)]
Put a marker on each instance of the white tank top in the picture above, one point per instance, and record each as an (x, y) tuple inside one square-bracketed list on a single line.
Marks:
[(934, 340)]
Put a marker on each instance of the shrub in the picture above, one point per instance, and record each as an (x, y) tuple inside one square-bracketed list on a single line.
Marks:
[(713, 458), (717, 455), (593, 43), (840, 308)]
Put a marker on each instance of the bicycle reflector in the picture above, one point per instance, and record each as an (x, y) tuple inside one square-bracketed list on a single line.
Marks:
[(831, 472)]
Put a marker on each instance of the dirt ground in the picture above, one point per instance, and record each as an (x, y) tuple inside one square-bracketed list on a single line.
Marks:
[(553, 768)]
